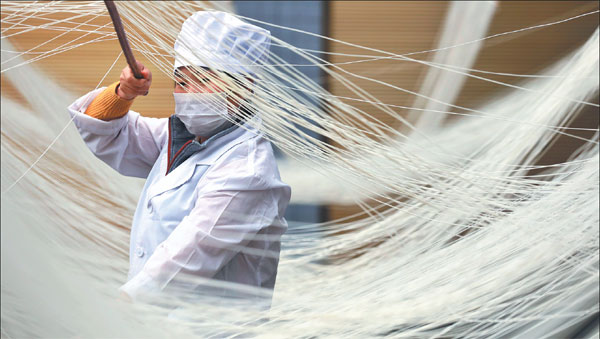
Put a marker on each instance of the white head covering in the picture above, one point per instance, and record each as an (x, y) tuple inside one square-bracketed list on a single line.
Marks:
[(221, 41)]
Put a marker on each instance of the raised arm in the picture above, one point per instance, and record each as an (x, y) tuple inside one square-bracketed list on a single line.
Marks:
[(115, 100), (123, 139)]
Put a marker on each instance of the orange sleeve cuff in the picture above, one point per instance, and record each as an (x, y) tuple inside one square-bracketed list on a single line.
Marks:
[(108, 105)]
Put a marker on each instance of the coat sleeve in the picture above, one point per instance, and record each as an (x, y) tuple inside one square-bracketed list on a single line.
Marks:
[(229, 211), (130, 144)]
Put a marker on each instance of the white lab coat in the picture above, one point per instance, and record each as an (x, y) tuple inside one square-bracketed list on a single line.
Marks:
[(218, 215)]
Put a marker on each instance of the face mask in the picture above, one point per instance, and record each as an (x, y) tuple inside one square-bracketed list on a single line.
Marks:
[(201, 113)]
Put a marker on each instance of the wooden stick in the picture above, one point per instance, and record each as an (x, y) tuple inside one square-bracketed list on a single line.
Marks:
[(116, 19)]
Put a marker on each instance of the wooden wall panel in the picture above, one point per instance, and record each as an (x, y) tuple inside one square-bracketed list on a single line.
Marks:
[(79, 70), (407, 26), (398, 27), (531, 51)]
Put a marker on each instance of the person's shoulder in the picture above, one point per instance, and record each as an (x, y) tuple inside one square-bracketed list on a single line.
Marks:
[(250, 161), (250, 155)]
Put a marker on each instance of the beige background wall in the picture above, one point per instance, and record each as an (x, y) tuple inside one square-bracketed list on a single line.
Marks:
[(409, 26), (80, 69), (398, 27)]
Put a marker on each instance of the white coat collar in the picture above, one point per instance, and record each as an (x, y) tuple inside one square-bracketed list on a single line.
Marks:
[(213, 150)]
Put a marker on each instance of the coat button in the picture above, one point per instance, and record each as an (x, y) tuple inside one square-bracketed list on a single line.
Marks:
[(139, 251)]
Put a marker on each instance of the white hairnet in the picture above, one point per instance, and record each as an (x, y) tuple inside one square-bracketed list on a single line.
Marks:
[(221, 41)]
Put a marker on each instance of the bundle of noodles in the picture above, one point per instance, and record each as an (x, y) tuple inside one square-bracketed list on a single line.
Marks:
[(468, 237)]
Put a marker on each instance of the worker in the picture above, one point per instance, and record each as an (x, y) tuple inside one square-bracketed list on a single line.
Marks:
[(213, 203)]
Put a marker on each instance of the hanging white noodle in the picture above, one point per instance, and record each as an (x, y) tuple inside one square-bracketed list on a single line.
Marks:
[(471, 246)]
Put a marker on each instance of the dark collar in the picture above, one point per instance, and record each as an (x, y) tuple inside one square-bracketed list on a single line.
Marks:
[(183, 144)]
